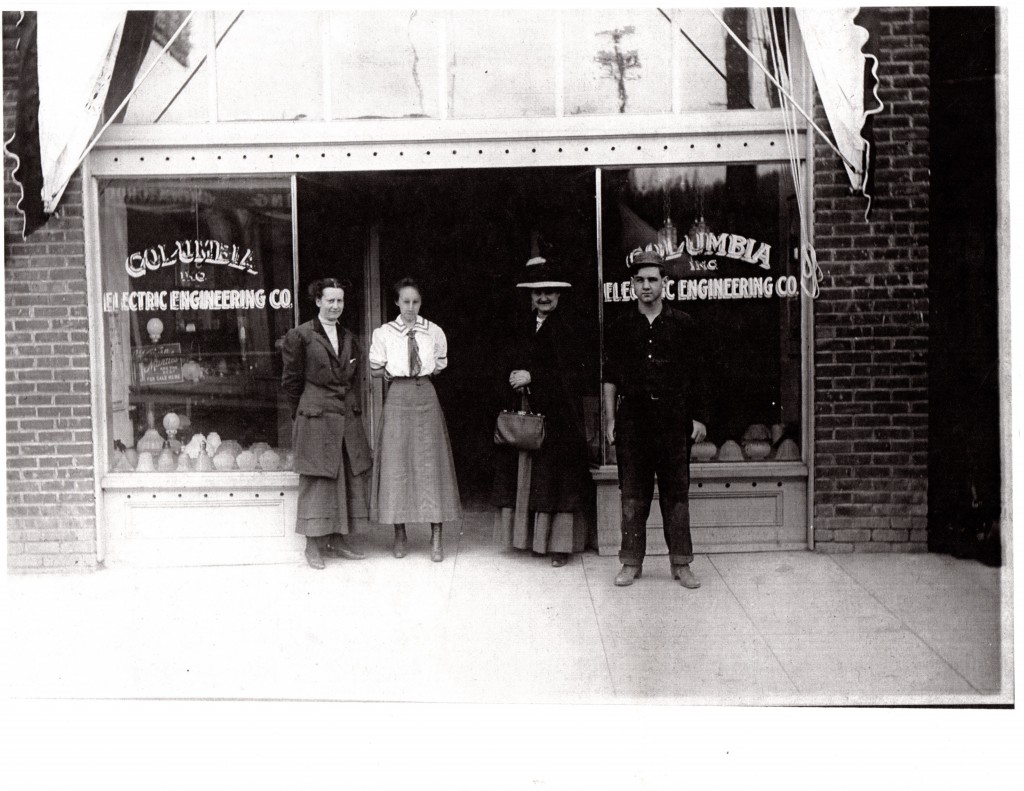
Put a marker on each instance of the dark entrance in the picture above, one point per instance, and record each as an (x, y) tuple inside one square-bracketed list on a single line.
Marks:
[(465, 235), (964, 475)]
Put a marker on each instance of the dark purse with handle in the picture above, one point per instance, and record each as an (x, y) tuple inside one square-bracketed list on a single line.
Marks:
[(523, 430)]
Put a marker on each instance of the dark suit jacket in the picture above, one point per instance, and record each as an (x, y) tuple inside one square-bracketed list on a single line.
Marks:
[(323, 390)]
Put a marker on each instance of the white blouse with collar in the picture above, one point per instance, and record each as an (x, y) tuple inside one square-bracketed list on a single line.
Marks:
[(389, 347), (332, 334)]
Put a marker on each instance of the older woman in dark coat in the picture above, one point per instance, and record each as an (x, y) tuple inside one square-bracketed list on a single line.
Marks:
[(545, 360), (321, 379)]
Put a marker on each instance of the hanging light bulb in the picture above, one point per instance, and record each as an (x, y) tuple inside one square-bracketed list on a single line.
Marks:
[(699, 230), (696, 235), (667, 233)]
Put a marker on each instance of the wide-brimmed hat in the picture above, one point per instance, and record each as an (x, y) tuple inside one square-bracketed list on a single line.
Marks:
[(542, 273), (650, 255)]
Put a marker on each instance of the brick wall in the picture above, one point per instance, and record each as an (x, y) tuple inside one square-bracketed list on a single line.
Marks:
[(50, 503), (871, 320)]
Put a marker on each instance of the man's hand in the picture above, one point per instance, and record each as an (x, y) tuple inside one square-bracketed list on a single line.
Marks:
[(699, 431), (609, 430)]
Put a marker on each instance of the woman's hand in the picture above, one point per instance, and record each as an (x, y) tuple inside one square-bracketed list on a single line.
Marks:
[(518, 379)]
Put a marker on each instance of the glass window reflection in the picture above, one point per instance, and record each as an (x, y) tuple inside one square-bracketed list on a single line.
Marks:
[(460, 64), (717, 73), (176, 90), (502, 64), (617, 61), (384, 64), (269, 65)]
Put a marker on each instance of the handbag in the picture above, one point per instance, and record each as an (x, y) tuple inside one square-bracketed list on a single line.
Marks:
[(523, 429)]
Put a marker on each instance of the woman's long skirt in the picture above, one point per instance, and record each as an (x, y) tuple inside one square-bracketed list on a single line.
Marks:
[(333, 505), (413, 476)]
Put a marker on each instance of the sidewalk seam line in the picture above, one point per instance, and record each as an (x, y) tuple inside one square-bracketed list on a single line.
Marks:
[(760, 634), (907, 626), (600, 632)]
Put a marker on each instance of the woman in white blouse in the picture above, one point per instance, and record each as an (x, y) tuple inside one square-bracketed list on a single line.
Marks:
[(413, 471)]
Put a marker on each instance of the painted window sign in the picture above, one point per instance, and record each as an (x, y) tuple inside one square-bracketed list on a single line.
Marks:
[(188, 257), (704, 244), (188, 252), (698, 257), (783, 287), (198, 299)]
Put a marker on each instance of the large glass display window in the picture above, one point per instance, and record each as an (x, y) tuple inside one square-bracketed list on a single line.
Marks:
[(501, 64), (617, 61), (197, 293), (172, 88), (302, 64), (394, 51), (269, 65), (730, 233)]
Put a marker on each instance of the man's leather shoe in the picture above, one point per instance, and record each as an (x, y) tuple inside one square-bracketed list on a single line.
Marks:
[(342, 551), (628, 575), (313, 557), (685, 576)]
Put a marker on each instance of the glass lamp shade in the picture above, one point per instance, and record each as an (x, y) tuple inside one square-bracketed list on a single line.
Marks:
[(151, 441)]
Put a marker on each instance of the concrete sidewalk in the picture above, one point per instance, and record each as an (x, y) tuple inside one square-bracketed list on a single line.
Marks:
[(493, 626)]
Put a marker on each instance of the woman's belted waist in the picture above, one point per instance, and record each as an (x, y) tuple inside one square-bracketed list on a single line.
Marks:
[(417, 379)]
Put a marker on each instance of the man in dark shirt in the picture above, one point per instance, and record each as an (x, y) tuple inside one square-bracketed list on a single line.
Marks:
[(654, 408)]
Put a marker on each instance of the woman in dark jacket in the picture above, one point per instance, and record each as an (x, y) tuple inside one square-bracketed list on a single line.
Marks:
[(546, 361), (321, 379)]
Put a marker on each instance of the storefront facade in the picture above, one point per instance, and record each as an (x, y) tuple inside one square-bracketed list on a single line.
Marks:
[(143, 380)]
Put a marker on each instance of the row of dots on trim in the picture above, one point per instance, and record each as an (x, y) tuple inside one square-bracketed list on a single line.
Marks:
[(728, 485), (455, 151), (700, 485), (205, 494)]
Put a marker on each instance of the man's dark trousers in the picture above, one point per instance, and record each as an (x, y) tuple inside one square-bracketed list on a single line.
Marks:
[(652, 438)]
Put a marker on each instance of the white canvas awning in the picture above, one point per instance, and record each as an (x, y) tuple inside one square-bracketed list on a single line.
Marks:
[(77, 48), (834, 48)]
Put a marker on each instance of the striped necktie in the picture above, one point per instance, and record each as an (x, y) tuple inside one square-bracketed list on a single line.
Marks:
[(415, 366)]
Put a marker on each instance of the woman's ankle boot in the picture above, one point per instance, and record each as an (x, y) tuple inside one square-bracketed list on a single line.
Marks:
[(399, 548), (313, 557)]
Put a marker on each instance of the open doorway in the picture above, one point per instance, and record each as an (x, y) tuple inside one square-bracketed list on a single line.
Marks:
[(465, 236)]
